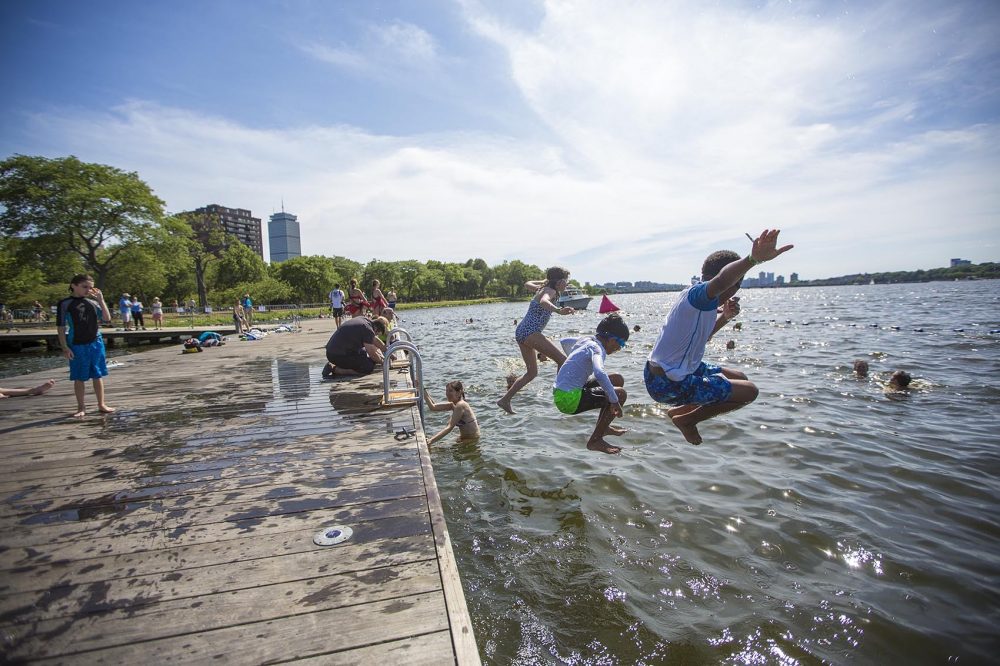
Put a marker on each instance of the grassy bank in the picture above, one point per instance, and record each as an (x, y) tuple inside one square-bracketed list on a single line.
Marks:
[(275, 317)]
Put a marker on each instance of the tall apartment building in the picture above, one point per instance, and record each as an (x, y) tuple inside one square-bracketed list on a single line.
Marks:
[(283, 236), (237, 222)]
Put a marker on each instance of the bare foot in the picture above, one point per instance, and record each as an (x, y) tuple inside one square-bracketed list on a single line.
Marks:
[(615, 430), (3, 395), (104, 409), (603, 447), (42, 388), (505, 405), (689, 430), (80, 414)]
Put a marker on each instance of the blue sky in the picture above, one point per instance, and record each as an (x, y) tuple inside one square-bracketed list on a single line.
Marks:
[(623, 140)]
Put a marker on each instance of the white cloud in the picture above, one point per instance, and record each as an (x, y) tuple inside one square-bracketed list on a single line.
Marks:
[(380, 50), (675, 128)]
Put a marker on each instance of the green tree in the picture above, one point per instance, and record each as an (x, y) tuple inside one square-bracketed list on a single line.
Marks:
[(139, 271), (78, 207), (311, 278), (264, 292), (238, 264), (202, 239)]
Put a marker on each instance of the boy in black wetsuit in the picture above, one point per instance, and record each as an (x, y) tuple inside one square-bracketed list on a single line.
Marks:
[(78, 319)]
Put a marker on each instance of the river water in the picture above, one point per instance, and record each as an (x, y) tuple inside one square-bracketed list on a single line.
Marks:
[(827, 522)]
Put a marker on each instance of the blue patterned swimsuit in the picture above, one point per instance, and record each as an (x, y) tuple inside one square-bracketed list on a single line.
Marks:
[(534, 321)]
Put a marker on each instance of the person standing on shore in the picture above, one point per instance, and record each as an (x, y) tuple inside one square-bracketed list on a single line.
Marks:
[(137, 314), (78, 320), (337, 304), (239, 318), (378, 299), (528, 334), (247, 304), (125, 310), (157, 307), (356, 301)]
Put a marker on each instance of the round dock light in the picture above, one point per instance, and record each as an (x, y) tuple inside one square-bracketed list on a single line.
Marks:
[(331, 536)]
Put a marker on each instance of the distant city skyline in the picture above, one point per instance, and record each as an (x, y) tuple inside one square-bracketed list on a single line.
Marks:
[(608, 138)]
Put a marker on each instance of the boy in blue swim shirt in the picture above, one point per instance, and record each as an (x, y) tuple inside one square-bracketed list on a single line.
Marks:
[(574, 390), (675, 373), (78, 319)]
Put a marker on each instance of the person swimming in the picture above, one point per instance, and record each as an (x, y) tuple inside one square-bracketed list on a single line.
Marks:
[(462, 415)]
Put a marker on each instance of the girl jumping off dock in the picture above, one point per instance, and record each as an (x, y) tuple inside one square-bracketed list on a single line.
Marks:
[(528, 334)]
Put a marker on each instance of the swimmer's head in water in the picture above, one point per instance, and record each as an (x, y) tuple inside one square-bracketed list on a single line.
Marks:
[(900, 379), (861, 368), (715, 262)]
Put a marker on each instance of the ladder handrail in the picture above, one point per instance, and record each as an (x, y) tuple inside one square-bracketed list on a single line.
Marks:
[(416, 372)]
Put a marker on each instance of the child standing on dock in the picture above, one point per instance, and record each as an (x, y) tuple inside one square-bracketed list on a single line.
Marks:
[(461, 413), (528, 334), (78, 319), (675, 373), (575, 392)]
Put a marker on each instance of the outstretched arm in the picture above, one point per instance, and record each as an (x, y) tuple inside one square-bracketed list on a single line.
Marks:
[(435, 406), (764, 249), (451, 425), (546, 302)]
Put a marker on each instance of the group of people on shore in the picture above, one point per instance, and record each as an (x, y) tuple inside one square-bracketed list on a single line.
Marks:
[(356, 304), (132, 312)]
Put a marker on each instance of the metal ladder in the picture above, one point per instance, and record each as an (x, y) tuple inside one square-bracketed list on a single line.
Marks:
[(402, 395)]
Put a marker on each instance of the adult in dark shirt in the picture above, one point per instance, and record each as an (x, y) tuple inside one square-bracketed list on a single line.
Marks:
[(78, 319), (354, 349)]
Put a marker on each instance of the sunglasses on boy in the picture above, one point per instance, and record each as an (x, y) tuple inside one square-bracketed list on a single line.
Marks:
[(621, 343)]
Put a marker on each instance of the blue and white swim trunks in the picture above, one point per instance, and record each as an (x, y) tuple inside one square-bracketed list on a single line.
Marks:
[(705, 386)]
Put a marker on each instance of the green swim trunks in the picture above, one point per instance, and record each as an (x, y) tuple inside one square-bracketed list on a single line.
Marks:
[(567, 402)]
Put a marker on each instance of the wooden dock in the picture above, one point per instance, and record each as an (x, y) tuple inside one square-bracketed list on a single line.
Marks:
[(180, 528), (30, 337)]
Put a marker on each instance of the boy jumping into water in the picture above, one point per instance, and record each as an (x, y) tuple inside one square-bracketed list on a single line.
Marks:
[(575, 392), (675, 373)]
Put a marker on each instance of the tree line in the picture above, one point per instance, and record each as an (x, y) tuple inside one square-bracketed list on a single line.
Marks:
[(62, 216)]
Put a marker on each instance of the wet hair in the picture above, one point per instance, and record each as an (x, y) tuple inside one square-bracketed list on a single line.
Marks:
[(554, 274), (613, 326), (901, 378), (861, 367), (457, 386), (715, 262), (79, 278), (380, 324)]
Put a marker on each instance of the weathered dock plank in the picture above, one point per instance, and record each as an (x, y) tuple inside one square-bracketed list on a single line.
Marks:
[(180, 528)]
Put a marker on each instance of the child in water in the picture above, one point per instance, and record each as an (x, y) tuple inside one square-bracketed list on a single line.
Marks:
[(575, 392), (461, 413), (528, 334), (675, 373)]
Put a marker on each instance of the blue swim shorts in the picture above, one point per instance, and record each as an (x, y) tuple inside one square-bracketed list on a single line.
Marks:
[(705, 386), (88, 361)]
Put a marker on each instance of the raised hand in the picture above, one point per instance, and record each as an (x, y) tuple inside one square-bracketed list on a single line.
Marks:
[(766, 247)]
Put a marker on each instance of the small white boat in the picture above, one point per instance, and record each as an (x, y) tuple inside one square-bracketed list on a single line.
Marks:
[(574, 298)]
